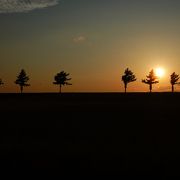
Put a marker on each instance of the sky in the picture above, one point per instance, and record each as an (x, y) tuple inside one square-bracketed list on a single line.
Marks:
[(93, 40)]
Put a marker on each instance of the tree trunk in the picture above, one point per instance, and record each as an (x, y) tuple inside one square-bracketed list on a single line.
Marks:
[(60, 88), (21, 89), (172, 88), (150, 88), (125, 88)]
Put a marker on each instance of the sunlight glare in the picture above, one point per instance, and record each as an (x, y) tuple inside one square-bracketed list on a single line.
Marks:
[(159, 72)]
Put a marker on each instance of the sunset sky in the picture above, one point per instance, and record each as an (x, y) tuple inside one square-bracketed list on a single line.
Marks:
[(93, 40)]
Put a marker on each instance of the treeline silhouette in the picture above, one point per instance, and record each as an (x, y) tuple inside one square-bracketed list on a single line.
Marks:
[(150, 79), (62, 79)]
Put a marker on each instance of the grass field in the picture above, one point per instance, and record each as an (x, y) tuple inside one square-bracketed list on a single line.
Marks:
[(134, 134)]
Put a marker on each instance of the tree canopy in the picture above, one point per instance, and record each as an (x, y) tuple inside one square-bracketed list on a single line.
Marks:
[(151, 79), (61, 79), (174, 80), (128, 77), (22, 80)]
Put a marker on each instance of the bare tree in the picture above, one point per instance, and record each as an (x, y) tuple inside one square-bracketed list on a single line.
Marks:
[(128, 77), (151, 79), (22, 80), (61, 79), (174, 80)]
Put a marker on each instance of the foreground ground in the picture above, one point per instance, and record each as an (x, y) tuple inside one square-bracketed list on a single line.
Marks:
[(135, 135)]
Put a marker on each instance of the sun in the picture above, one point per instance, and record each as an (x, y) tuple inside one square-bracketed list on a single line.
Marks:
[(159, 72)]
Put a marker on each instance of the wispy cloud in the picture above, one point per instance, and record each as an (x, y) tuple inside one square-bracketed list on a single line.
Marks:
[(79, 39), (11, 6)]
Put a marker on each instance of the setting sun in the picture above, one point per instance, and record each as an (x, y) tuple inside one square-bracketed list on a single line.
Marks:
[(159, 72)]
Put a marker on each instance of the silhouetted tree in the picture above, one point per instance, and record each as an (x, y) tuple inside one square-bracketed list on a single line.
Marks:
[(22, 80), (62, 79), (1, 82), (151, 79), (174, 80), (128, 77)]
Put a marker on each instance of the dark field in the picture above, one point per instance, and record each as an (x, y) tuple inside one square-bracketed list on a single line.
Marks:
[(124, 135)]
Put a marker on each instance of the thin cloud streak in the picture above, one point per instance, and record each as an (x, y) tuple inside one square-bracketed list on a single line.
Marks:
[(79, 39), (12, 6)]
